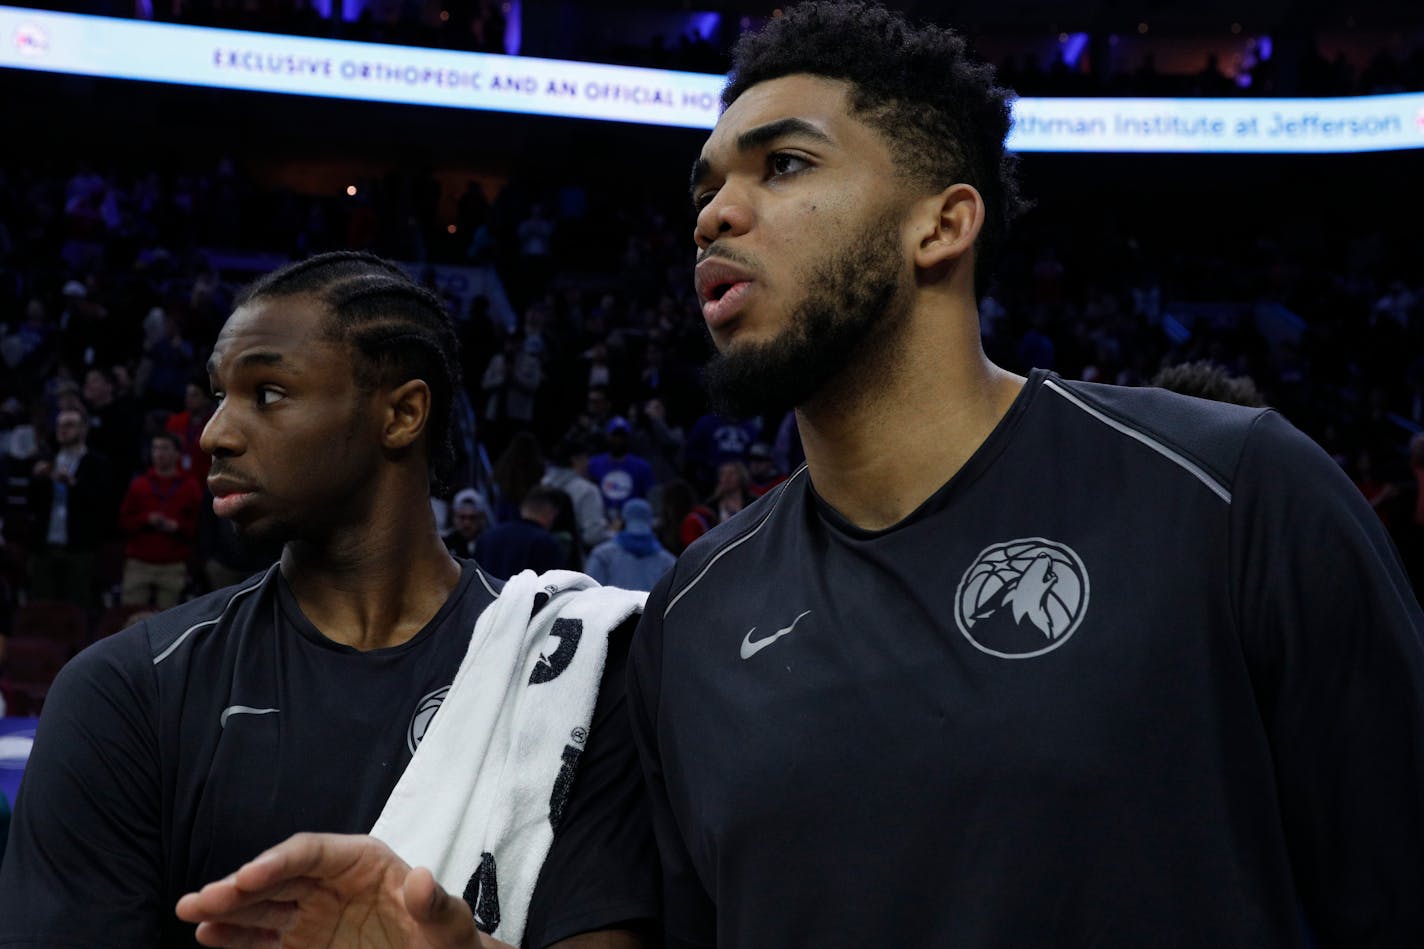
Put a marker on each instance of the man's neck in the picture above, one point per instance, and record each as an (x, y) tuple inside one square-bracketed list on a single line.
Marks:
[(376, 585), (877, 454)]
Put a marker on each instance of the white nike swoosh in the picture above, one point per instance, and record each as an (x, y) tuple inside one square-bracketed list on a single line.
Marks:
[(243, 710), (750, 648)]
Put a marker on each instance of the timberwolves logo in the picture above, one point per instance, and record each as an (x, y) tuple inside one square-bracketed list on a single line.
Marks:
[(1022, 599), (425, 711)]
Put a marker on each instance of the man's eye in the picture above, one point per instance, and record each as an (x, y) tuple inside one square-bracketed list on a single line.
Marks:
[(702, 200), (783, 163), (218, 396), (266, 395)]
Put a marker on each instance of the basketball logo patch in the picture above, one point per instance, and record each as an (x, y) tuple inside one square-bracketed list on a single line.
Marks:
[(1022, 598), (425, 711)]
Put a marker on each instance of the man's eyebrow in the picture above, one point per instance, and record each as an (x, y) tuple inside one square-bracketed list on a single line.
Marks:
[(763, 135), (258, 357), (759, 137)]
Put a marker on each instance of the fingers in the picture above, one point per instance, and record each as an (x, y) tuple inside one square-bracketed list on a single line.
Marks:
[(225, 900), (444, 920), (309, 855), (237, 937), (275, 915)]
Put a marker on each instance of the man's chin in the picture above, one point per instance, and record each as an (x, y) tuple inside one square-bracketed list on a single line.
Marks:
[(748, 380), (262, 540)]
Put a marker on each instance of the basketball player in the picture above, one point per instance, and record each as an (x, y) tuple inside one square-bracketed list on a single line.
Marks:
[(173, 752), (1009, 662)]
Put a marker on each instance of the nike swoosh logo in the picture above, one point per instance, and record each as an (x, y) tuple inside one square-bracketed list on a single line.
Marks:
[(750, 648), (243, 710)]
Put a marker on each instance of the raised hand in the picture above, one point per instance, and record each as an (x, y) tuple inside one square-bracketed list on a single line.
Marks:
[(331, 890)]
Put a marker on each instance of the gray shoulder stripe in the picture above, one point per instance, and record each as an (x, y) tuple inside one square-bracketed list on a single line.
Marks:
[(212, 622), (479, 572), (734, 544), (1177, 458)]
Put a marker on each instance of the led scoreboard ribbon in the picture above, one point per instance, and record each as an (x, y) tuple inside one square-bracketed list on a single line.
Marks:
[(264, 62)]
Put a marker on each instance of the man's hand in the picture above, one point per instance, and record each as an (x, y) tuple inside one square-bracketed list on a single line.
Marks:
[(162, 522), (324, 890)]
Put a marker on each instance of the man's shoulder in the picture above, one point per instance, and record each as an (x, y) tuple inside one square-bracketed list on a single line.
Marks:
[(1196, 433), (169, 630), (726, 537)]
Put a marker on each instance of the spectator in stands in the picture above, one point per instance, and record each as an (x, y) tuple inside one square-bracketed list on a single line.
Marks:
[(536, 252), (170, 363), (675, 500), (469, 516), (730, 496), (159, 520), (762, 473), (633, 559), (568, 471), (72, 502), (591, 423), (517, 471), (1206, 380), (525, 543), (188, 426), (21, 452), (114, 422), (714, 439), (657, 438), (510, 386), (618, 472)]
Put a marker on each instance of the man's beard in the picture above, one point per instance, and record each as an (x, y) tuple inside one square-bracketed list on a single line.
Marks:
[(847, 322)]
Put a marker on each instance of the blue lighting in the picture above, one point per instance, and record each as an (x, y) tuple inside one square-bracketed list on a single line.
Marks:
[(704, 25), (1073, 48), (513, 27)]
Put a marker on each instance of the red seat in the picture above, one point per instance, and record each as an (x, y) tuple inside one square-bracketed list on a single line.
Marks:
[(30, 668)]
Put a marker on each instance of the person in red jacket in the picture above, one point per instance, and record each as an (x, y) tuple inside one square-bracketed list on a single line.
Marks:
[(188, 425), (159, 519)]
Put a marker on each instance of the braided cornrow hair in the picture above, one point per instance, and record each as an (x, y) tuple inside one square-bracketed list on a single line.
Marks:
[(397, 329)]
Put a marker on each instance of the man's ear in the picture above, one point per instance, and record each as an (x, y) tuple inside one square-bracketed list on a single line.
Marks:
[(946, 225), (407, 410)]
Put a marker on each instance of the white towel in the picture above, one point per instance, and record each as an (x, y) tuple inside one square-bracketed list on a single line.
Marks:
[(480, 799)]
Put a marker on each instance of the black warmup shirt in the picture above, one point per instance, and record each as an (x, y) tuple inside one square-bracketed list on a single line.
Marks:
[(1145, 672), (173, 752)]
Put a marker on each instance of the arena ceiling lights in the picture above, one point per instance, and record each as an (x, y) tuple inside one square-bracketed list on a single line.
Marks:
[(262, 62)]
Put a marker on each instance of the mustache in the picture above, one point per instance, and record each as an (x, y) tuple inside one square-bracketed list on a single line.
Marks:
[(223, 470), (728, 254)]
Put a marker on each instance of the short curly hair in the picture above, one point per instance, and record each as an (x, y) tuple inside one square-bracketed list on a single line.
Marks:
[(943, 114)]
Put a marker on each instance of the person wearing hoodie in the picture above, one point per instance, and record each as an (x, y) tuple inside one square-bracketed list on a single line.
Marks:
[(633, 559)]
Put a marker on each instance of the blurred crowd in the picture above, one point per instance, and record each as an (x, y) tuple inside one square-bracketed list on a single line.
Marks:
[(584, 437)]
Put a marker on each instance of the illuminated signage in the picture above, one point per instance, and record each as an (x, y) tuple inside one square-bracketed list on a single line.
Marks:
[(375, 72), (1350, 124)]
